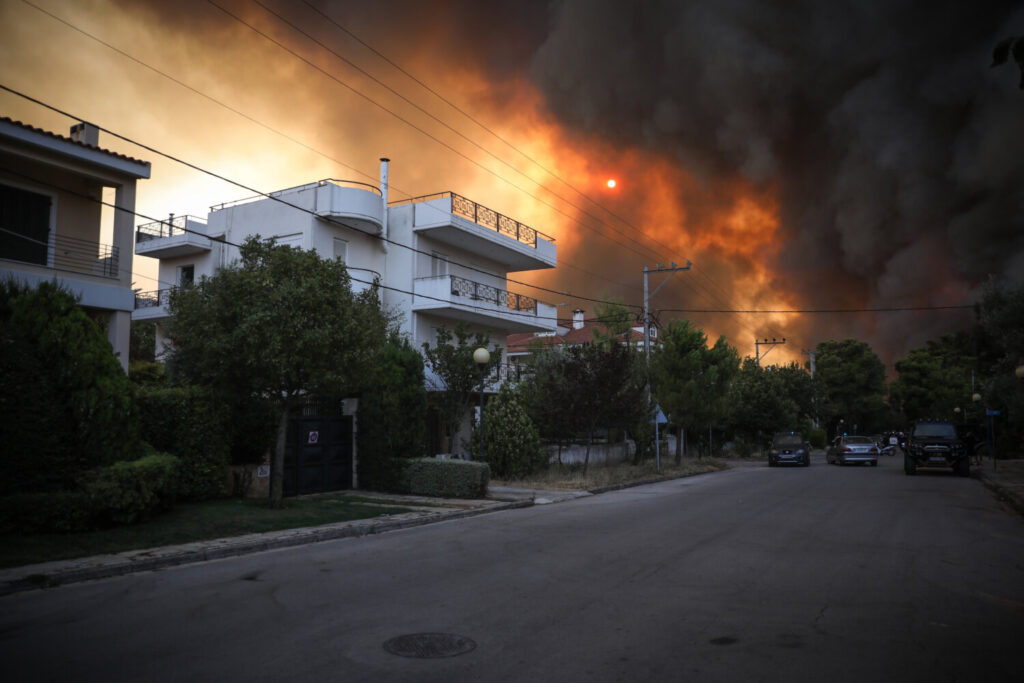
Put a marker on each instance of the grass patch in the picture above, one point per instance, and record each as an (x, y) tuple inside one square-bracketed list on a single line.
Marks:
[(189, 522), (570, 477)]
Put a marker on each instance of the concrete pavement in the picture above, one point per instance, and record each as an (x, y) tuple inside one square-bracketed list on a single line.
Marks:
[(1005, 478)]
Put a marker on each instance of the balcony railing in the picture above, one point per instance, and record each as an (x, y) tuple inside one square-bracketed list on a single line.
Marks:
[(499, 297), (308, 186), (159, 297), (489, 218), (175, 225), (509, 372), (83, 256)]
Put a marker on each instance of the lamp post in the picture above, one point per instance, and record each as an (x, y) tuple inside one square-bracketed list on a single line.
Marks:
[(482, 357), (959, 414)]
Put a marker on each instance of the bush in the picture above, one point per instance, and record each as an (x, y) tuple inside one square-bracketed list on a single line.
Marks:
[(513, 443), (41, 513), (444, 478), (133, 491), (392, 416), (192, 424), (123, 493), (817, 437), (66, 405)]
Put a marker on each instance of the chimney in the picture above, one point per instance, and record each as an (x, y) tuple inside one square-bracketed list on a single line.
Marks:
[(384, 200), (577, 319), (86, 133)]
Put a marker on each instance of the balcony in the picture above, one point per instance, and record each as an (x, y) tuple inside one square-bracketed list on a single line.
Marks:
[(152, 305), (452, 219), (69, 254), (477, 303), (177, 236)]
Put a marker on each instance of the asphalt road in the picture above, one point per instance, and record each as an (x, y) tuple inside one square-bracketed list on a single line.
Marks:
[(756, 574)]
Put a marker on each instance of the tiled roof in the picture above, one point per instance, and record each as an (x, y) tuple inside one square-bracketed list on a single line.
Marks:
[(520, 343), (62, 138)]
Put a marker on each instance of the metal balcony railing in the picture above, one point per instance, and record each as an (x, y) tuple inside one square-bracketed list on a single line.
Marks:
[(477, 291), (510, 372), (83, 256), (159, 297), (175, 225), (308, 186), (488, 218)]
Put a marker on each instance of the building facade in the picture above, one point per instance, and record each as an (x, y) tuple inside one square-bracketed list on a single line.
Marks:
[(54, 224)]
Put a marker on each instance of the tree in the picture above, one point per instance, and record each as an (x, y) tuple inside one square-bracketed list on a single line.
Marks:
[(66, 405), (1001, 352), (280, 323), (392, 414), (934, 378), (691, 381), (614, 320), (513, 443), (852, 377), (760, 403), (549, 398), (451, 360)]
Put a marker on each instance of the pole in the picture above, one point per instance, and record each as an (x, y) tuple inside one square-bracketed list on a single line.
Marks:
[(647, 321), (483, 435)]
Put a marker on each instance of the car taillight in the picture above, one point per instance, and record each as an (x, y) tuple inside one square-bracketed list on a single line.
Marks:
[(847, 449)]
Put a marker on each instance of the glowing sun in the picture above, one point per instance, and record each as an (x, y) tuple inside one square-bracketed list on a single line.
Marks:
[(611, 182)]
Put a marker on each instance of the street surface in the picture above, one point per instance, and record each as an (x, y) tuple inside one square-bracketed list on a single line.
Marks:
[(755, 574)]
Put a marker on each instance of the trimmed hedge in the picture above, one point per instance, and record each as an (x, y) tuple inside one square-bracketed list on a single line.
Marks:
[(123, 493), (193, 425), (444, 478)]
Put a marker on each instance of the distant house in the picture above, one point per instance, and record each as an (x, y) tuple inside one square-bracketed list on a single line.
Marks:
[(53, 226)]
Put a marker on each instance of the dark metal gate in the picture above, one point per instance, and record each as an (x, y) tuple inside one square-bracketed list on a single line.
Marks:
[(318, 455)]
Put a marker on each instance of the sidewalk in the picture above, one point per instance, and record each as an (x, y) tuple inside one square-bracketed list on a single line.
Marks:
[(1005, 478)]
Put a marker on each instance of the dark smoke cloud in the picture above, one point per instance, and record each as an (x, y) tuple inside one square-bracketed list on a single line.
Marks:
[(896, 151)]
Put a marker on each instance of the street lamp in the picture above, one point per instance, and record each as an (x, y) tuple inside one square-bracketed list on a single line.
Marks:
[(482, 357), (958, 413)]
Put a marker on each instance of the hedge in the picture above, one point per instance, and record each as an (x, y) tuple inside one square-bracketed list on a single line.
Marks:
[(123, 493), (444, 478), (192, 424)]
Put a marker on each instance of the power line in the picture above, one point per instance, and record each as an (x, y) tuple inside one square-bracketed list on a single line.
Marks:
[(818, 310)]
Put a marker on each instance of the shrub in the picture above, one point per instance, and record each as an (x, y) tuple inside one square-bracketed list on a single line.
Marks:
[(40, 513), (444, 478), (133, 491), (513, 443), (66, 405), (817, 437), (192, 424), (392, 415)]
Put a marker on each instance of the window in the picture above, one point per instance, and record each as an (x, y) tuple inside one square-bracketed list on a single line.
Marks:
[(341, 250), (186, 275), (438, 264), (24, 225)]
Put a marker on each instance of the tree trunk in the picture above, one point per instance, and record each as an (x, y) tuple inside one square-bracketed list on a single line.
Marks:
[(586, 458), (277, 465), (679, 446)]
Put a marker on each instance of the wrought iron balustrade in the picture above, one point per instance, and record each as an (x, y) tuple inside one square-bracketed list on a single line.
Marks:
[(488, 218), (478, 291), (158, 297), (82, 256)]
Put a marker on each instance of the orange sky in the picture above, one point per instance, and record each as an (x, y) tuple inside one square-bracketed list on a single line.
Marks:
[(198, 84)]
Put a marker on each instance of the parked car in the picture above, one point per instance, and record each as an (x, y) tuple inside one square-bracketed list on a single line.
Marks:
[(791, 448), (852, 449), (935, 443)]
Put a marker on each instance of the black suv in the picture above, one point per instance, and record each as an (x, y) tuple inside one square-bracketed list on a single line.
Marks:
[(935, 443)]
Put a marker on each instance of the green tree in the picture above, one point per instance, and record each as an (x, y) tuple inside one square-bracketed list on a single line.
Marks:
[(280, 323), (512, 441), (66, 405), (392, 414), (1001, 331), (690, 381), (761, 405), (549, 398), (934, 378), (451, 360), (614, 321), (852, 378)]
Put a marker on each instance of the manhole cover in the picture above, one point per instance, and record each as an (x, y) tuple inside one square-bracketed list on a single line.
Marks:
[(429, 645)]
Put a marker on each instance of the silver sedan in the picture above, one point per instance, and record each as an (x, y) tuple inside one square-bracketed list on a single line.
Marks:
[(852, 449)]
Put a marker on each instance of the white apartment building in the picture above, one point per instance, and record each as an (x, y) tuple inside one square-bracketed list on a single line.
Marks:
[(441, 259), (53, 225)]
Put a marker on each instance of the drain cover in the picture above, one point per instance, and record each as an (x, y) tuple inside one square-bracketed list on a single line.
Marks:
[(429, 645)]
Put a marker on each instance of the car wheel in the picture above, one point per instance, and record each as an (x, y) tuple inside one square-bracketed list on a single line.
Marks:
[(963, 467), (874, 463), (909, 466)]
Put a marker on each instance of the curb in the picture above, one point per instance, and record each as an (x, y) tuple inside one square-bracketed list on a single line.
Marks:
[(1003, 493), (62, 572)]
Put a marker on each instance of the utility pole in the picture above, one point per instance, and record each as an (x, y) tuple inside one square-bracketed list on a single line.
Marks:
[(671, 270), (814, 398), (812, 354), (759, 343)]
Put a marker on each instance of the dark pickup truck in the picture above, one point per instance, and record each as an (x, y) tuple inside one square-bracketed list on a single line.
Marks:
[(935, 444)]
